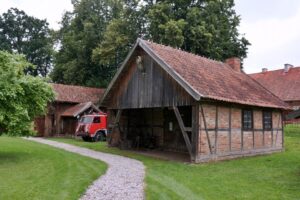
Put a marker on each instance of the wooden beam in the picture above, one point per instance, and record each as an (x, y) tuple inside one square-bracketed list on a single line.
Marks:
[(216, 131), (188, 129), (229, 124), (279, 117), (116, 124), (195, 130), (182, 127), (206, 131)]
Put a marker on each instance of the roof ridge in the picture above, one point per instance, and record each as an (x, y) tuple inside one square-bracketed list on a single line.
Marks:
[(275, 70), (185, 52), (79, 86)]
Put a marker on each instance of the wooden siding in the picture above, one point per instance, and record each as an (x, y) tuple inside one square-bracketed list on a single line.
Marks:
[(153, 88)]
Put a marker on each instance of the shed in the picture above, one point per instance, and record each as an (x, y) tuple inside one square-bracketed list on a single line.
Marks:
[(69, 104), (169, 100)]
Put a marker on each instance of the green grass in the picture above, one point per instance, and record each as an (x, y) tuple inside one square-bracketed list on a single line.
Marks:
[(275, 176), (29, 170)]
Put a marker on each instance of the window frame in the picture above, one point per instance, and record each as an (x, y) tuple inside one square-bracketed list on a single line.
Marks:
[(97, 117), (263, 120), (243, 119)]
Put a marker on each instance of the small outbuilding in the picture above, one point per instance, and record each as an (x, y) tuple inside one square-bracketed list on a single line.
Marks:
[(63, 113), (165, 99)]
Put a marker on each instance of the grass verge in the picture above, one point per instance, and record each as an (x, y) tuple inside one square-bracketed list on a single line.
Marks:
[(275, 176), (29, 170)]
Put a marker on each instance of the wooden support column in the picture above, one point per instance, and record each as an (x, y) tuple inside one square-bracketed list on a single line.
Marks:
[(279, 117), (229, 124), (282, 130), (185, 135), (216, 131), (116, 124), (195, 130)]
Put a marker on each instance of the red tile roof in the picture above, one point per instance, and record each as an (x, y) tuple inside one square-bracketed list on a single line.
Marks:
[(284, 85), (78, 109), (215, 80), (76, 94)]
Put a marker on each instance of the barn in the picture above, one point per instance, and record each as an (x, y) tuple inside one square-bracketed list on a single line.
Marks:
[(168, 100), (69, 104)]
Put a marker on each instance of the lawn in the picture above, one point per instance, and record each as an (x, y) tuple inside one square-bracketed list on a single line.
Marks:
[(29, 170), (274, 176)]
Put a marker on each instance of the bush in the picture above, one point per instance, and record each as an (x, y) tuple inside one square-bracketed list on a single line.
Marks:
[(22, 97)]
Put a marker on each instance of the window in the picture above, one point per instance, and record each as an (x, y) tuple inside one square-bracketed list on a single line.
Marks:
[(267, 120), (96, 120), (247, 120), (86, 120)]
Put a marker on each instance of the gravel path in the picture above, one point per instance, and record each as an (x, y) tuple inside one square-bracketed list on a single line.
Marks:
[(124, 178)]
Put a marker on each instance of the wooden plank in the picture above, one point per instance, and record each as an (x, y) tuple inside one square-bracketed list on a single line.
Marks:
[(195, 130), (282, 130), (216, 127), (182, 127), (229, 132), (279, 117), (206, 131), (188, 129), (189, 89)]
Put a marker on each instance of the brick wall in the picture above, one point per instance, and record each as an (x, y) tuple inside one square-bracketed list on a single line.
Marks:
[(230, 141)]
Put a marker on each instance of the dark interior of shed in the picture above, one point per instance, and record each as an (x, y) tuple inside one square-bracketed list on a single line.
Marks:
[(155, 129)]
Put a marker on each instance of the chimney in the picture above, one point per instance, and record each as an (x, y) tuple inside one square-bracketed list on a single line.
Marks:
[(234, 63), (287, 67), (264, 70)]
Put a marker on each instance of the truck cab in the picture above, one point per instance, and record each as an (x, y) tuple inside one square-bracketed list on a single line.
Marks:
[(92, 127)]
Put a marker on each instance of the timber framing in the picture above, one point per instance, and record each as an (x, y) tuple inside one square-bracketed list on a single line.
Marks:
[(173, 101)]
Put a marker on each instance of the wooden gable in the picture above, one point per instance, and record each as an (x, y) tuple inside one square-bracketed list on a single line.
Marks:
[(153, 87)]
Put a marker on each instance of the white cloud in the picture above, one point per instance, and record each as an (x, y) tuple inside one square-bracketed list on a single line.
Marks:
[(274, 41), (52, 10)]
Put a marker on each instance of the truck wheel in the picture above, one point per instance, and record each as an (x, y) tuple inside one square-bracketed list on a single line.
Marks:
[(86, 139), (102, 136)]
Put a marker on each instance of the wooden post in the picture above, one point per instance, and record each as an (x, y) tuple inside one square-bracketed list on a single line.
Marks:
[(195, 130), (216, 131), (279, 117), (205, 127), (116, 124), (229, 124), (182, 127)]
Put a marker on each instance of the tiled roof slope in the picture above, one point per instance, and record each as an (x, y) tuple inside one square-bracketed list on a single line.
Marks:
[(76, 94), (215, 80), (78, 109), (284, 85)]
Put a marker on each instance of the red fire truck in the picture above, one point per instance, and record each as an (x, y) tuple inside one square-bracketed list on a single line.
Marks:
[(92, 127)]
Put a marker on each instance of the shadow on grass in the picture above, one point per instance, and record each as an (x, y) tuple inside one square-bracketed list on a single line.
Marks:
[(13, 157)]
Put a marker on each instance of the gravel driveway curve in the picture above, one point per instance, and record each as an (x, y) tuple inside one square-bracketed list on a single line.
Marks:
[(124, 178)]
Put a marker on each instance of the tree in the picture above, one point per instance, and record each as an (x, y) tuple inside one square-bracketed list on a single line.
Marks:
[(22, 97), (204, 27), (96, 37), (29, 36)]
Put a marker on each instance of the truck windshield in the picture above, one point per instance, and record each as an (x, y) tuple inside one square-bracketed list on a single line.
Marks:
[(86, 120)]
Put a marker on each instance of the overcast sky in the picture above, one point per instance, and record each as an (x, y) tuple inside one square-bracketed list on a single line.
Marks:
[(272, 27)]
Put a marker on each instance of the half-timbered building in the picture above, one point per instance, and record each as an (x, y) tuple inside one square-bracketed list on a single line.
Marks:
[(170, 100)]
